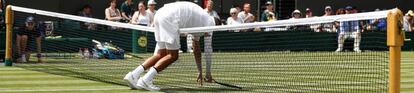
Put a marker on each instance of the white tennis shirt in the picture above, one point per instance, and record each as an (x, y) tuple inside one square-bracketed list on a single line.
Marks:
[(173, 16)]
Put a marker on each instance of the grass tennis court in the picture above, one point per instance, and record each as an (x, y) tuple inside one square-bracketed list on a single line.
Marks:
[(60, 75)]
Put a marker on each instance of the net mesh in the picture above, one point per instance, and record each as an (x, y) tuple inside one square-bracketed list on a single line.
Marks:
[(296, 55)]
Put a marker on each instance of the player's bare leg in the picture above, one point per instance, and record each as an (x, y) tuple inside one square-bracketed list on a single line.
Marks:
[(146, 81), (39, 49), (197, 57), (132, 77), (152, 60), (22, 45), (19, 47)]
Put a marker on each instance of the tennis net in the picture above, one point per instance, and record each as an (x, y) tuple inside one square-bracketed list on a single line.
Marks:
[(296, 55)]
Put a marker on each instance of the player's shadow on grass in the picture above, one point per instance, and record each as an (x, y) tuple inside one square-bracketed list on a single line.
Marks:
[(71, 72)]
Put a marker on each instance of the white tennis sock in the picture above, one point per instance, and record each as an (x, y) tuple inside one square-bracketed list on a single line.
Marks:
[(150, 75), (190, 43), (138, 71), (208, 49)]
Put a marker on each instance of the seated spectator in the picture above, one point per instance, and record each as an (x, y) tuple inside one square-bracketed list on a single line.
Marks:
[(87, 12), (112, 13), (296, 15), (234, 19), (327, 27), (268, 14), (151, 9), (308, 13), (349, 29), (328, 11), (210, 11), (141, 17), (127, 10), (23, 35), (238, 8), (378, 24), (246, 15), (340, 11), (408, 21), (2, 24)]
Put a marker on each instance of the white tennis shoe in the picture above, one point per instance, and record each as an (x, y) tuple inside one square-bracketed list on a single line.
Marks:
[(132, 82), (357, 50), (338, 50), (147, 85)]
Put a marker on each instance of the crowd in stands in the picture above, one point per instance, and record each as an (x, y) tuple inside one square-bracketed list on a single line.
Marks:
[(143, 14)]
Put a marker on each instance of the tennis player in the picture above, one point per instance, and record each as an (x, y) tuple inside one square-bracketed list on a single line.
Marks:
[(167, 22)]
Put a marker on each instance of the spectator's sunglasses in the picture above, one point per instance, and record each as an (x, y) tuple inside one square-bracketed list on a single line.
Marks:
[(233, 13), (328, 10)]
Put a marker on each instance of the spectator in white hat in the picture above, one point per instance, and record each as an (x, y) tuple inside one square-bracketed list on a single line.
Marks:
[(327, 27), (328, 11), (308, 13), (151, 8), (408, 21), (296, 14)]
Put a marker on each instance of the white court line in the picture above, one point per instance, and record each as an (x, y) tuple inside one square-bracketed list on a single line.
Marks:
[(48, 90), (407, 59)]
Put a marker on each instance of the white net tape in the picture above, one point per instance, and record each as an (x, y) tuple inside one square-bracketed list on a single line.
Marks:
[(302, 21)]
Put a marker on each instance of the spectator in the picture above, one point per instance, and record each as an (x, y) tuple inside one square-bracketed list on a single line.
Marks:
[(308, 13), (234, 19), (127, 10), (2, 24), (23, 35), (349, 29), (314, 27), (210, 11), (328, 11), (268, 14), (296, 14), (238, 8), (340, 11), (378, 24), (112, 13), (87, 12), (208, 36), (151, 9), (327, 27), (246, 15), (408, 21), (141, 17)]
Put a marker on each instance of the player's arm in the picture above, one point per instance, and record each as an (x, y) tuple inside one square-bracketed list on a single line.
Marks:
[(197, 56)]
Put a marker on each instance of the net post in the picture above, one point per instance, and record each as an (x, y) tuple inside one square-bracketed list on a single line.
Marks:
[(9, 29), (395, 39)]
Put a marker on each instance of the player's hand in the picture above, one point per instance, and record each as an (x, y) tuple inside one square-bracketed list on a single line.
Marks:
[(209, 79), (200, 79)]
